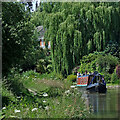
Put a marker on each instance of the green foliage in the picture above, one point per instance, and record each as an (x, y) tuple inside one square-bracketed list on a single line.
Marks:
[(77, 29), (114, 77), (59, 76), (107, 77), (58, 103), (31, 57), (14, 84), (89, 63), (40, 67), (72, 78), (1, 115), (63, 107), (16, 34), (44, 65), (49, 68), (7, 96), (30, 73), (113, 48), (107, 63), (101, 62)]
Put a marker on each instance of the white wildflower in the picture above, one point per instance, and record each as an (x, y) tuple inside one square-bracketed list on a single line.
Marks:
[(58, 103), (45, 94), (35, 93), (4, 108), (16, 111), (44, 101), (34, 109), (72, 86), (14, 117), (40, 106), (67, 91), (46, 108)]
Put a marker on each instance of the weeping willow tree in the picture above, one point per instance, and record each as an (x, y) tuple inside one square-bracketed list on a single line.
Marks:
[(77, 29)]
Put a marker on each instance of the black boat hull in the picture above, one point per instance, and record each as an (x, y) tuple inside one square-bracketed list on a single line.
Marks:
[(98, 87)]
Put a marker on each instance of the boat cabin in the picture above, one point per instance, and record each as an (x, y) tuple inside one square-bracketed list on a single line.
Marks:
[(86, 80)]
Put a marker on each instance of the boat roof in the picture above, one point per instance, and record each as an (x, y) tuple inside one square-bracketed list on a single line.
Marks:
[(91, 75)]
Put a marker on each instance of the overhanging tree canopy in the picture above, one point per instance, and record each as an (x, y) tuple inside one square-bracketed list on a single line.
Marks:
[(16, 34), (77, 29)]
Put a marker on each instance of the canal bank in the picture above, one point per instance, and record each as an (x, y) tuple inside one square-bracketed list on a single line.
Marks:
[(113, 86)]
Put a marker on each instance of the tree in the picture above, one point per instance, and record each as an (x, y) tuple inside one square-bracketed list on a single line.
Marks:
[(16, 34), (77, 29)]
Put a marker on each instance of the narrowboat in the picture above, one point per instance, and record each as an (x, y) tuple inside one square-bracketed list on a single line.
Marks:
[(92, 82)]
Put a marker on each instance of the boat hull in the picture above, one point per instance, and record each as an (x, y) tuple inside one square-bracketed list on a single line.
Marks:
[(97, 87)]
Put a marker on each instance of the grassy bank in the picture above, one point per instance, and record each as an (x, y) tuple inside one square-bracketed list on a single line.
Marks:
[(111, 84), (31, 95)]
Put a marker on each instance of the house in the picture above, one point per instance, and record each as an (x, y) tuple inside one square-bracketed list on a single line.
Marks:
[(41, 37)]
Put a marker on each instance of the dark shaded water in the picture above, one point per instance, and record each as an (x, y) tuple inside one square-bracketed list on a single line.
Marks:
[(104, 105)]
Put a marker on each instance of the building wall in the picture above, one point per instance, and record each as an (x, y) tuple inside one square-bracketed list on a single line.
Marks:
[(42, 44)]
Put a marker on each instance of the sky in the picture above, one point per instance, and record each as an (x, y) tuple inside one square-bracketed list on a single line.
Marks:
[(34, 3)]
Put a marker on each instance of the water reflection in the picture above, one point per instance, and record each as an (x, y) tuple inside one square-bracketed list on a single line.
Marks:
[(103, 104)]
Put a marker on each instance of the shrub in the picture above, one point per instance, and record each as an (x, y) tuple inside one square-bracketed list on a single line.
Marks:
[(71, 78), (114, 77), (98, 62), (107, 63), (113, 48), (44, 65), (40, 67), (30, 59), (59, 76), (49, 68), (30, 73), (107, 77)]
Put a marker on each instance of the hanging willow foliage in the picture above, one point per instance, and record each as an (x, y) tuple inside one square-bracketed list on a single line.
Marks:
[(77, 29)]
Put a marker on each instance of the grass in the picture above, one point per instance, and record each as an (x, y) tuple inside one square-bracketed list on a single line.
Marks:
[(112, 84), (61, 107), (61, 100)]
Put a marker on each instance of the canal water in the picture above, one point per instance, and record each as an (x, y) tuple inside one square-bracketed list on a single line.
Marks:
[(104, 105)]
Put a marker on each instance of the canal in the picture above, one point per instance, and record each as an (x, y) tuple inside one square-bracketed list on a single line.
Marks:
[(104, 105)]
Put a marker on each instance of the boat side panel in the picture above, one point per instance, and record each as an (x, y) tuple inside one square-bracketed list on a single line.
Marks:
[(82, 81)]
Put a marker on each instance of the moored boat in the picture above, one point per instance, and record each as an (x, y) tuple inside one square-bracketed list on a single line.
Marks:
[(92, 82)]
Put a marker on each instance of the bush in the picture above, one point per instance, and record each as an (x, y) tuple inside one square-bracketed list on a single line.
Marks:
[(14, 83), (59, 76), (107, 63), (107, 77), (113, 48), (40, 67), (49, 68), (98, 62), (114, 78), (44, 65), (30, 58), (72, 78), (31, 74)]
